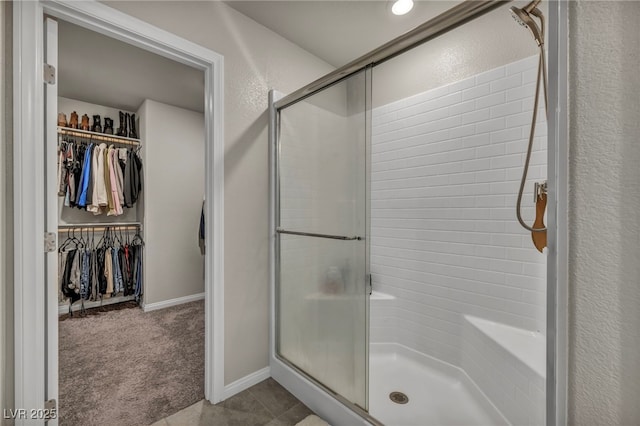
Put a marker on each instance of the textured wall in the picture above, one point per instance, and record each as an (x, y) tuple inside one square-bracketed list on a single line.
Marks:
[(256, 60), (604, 220), (446, 167)]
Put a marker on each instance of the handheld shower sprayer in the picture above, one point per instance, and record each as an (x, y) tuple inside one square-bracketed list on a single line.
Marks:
[(524, 16)]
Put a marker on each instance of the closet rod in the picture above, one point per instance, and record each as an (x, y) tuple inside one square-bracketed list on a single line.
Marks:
[(100, 228), (89, 225), (97, 136)]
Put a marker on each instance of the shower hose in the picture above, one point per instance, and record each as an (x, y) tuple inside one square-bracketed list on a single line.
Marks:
[(541, 76)]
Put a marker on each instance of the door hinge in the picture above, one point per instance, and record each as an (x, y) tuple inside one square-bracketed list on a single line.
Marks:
[(49, 242), (49, 74), (50, 410)]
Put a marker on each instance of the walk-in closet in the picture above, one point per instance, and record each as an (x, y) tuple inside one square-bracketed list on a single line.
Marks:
[(130, 188)]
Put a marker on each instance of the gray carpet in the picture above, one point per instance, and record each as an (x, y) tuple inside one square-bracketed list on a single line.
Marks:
[(126, 367)]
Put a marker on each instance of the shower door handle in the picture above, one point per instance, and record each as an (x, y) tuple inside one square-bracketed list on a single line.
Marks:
[(311, 234)]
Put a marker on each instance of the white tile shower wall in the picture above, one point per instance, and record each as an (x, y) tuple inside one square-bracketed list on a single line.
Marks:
[(446, 167)]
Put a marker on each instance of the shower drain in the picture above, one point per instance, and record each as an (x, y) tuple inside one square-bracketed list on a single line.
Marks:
[(398, 397)]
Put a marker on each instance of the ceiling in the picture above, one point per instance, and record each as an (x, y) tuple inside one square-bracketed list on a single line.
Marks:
[(338, 31), (98, 69)]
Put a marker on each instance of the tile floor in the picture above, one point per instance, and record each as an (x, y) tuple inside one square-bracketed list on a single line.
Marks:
[(266, 403)]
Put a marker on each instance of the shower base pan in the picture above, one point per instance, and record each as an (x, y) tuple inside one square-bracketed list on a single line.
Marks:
[(438, 393)]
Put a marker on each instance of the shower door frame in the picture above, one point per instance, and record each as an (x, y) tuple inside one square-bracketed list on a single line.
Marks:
[(306, 388), (322, 400)]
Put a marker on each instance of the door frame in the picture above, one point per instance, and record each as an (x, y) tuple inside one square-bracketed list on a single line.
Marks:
[(557, 336), (31, 387)]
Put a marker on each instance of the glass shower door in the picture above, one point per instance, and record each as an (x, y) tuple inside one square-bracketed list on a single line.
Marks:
[(322, 269)]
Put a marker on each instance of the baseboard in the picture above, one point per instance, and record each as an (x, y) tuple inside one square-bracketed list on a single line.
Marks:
[(148, 307), (246, 382)]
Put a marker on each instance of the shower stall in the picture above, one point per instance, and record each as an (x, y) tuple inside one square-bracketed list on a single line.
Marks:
[(405, 292)]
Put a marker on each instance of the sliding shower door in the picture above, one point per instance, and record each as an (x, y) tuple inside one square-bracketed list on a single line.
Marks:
[(322, 269)]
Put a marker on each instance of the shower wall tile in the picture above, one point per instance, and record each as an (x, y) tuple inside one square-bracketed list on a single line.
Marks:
[(446, 167)]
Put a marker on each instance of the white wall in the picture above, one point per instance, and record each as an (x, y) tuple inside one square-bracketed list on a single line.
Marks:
[(446, 167), (256, 60), (173, 167), (604, 219)]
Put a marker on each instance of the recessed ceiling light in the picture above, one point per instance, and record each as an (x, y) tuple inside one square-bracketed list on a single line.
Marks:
[(401, 7)]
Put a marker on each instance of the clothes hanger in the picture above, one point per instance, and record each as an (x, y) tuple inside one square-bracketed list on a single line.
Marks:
[(119, 235), (137, 238), (102, 240), (82, 240), (107, 240), (65, 244), (73, 239)]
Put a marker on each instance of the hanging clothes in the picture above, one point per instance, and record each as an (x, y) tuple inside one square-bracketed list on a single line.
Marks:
[(99, 187), (69, 179), (62, 169), (108, 272), (100, 272), (99, 178), (132, 178), (118, 197), (89, 271), (84, 180), (70, 275), (201, 234), (85, 276), (118, 286), (62, 263), (78, 163)]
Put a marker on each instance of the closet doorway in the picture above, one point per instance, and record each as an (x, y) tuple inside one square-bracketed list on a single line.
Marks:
[(130, 186), (68, 221)]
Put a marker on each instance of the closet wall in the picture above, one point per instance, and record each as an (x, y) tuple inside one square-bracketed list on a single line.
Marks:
[(173, 157)]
